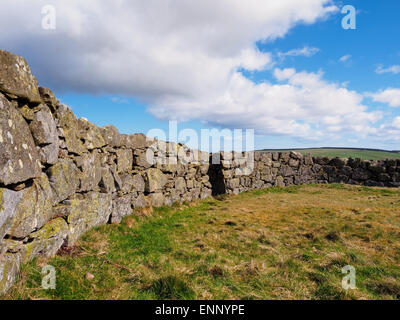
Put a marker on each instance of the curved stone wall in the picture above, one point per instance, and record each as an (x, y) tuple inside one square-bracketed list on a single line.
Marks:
[(61, 176)]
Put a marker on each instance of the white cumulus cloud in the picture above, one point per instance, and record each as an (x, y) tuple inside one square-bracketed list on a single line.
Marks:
[(390, 96), (345, 58), (305, 51), (183, 58), (395, 69)]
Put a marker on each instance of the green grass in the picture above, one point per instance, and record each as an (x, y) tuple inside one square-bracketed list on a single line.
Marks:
[(278, 243), (348, 153)]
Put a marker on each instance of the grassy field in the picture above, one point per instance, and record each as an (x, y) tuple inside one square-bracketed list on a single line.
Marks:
[(349, 153), (270, 244)]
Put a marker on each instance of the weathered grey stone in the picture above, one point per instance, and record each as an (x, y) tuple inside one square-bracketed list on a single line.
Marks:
[(279, 182), (64, 179), (107, 183), (19, 160), (233, 183), (139, 201), (43, 127), (27, 112), (49, 98), (16, 78), (49, 154), (9, 269), (34, 209), (44, 132), (142, 160), (44, 242), (124, 160), (284, 157), (180, 185), (294, 163), (91, 134), (205, 193), (9, 201), (86, 212), (156, 199), (127, 183), (308, 160), (117, 179), (70, 126), (91, 172), (287, 171), (111, 136), (138, 183), (154, 180), (121, 208)]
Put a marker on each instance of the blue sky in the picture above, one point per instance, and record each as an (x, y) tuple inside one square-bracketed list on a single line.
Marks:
[(297, 84)]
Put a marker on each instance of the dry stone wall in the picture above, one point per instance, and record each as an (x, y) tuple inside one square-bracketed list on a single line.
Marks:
[(61, 176)]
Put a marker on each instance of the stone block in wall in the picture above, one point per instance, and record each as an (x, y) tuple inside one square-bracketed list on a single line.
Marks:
[(44, 242), (91, 134), (155, 180), (296, 155), (169, 167), (107, 182), (180, 185), (16, 78), (111, 136), (122, 207), (139, 201), (377, 168), (141, 159), (49, 98), (43, 127), (308, 160), (124, 160), (44, 132), (69, 124), (91, 171), (85, 212), (34, 209), (338, 162), (294, 163), (64, 179), (117, 179), (27, 112), (287, 171), (360, 174), (284, 157), (127, 183), (19, 159), (138, 183), (9, 201), (205, 193), (266, 159), (353, 163), (279, 182), (156, 199), (233, 183), (9, 270), (276, 164), (384, 177)]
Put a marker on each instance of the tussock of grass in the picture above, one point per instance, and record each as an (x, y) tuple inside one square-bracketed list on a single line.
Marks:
[(279, 243)]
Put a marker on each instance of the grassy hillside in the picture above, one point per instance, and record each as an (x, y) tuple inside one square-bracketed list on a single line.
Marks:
[(364, 154), (287, 243)]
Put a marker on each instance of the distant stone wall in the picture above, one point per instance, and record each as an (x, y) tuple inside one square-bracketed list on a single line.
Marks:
[(286, 169), (61, 176)]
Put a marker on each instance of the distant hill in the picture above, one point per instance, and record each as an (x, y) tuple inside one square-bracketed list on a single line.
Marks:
[(362, 153)]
